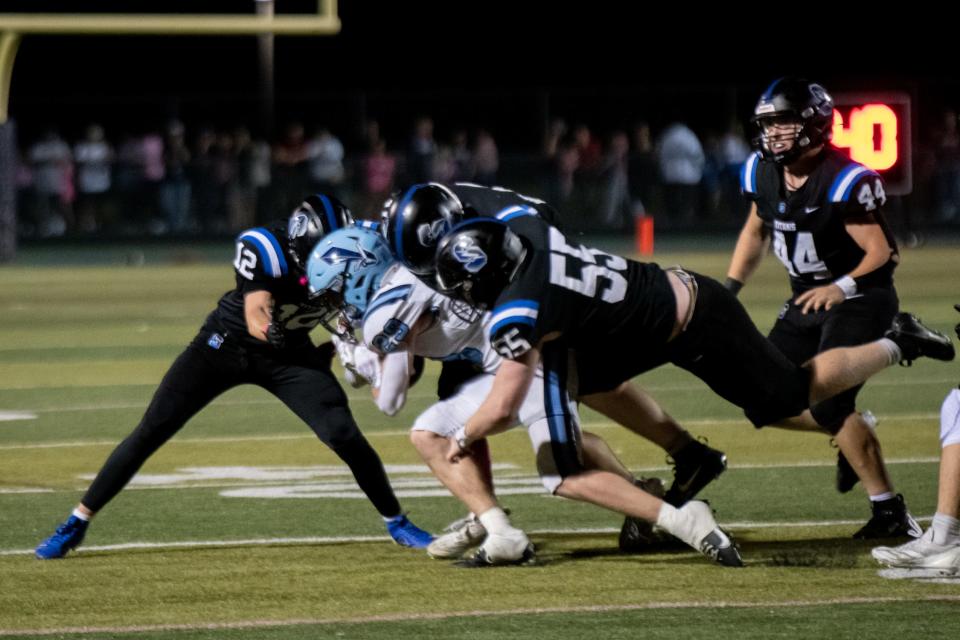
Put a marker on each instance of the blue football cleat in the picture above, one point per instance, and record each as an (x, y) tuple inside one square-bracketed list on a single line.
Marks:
[(68, 536), (407, 534)]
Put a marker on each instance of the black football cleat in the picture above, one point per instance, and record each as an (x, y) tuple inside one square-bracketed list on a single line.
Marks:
[(915, 340), (890, 520), (695, 466)]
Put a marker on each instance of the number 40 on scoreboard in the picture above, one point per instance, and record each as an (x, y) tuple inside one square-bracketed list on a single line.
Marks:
[(874, 129)]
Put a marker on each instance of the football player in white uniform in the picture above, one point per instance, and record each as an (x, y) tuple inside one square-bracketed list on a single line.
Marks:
[(938, 549)]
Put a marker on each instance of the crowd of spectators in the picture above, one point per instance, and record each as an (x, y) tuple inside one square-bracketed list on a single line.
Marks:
[(193, 180)]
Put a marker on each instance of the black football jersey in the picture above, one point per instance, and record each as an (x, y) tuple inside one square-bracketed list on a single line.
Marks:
[(501, 203), (262, 264), (807, 225), (594, 299)]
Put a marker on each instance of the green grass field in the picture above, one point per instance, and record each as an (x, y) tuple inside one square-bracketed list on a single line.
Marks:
[(244, 526)]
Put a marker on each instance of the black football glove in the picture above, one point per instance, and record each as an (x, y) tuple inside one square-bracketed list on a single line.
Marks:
[(275, 336), (957, 328)]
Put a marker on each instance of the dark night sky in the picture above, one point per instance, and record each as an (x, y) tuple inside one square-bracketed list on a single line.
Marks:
[(473, 60)]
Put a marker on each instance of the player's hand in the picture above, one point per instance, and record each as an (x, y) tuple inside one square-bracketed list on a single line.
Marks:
[(455, 451), (957, 328), (275, 336), (820, 298), (367, 365)]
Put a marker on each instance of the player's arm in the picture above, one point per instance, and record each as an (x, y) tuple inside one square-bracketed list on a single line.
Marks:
[(751, 245), (258, 312), (391, 392), (869, 236), (397, 370), (502, 405)]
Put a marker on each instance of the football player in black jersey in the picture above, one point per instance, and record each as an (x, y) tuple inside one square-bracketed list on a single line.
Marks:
[(258, 334), (415, 218), (824, 215), (623, 318), (413, 221)]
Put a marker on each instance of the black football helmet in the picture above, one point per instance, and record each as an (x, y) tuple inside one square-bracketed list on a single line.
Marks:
[(414, 220), (477, 259), (792, 101), (316, 216)]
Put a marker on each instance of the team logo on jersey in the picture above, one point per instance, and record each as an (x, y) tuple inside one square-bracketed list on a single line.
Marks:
[(782, 207), (215, 341), (429, 233), (298, 225), (339, 255), (470, 255)]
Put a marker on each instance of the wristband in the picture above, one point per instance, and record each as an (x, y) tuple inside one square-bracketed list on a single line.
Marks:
[(848, 285), (463, 440), (733, 285)]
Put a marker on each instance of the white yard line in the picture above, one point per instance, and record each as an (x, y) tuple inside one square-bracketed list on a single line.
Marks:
[(389, 434), (354, 395), (319, 540), (409, 617)]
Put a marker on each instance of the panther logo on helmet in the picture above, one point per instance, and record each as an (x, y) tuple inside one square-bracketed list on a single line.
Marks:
[(470, 255), (299, 225), (428, 234), (338, 255)]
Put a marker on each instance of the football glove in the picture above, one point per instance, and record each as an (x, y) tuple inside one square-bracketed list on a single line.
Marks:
[(275, 336)]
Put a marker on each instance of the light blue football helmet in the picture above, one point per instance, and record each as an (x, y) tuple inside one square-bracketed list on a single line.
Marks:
[(345, 268)]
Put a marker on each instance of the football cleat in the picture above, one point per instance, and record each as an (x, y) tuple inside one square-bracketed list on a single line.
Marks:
[(499, 549), (637, 535), (698, 528), (407, 534), (915, 340), (890, 520), (459, 536), (68, 536), (922, 553), (695, 466)]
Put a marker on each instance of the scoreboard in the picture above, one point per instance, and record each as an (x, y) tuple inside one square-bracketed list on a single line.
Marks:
[(874, 129)]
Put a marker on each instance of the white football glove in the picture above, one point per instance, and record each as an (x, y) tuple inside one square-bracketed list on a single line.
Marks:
[(360, 365), (367, 365)]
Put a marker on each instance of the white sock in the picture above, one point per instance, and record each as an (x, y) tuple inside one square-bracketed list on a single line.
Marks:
[(495, 520), (880, 497), (82, 516), (946, 529), (392, 518), (671, 520), (894, 355)]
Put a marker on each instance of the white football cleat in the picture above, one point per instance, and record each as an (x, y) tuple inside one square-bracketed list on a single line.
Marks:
[(507, 547), (698, 529), (459, 536), (919, 553)]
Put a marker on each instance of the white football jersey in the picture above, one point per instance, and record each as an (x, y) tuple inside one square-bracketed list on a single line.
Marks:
[(457, 332)]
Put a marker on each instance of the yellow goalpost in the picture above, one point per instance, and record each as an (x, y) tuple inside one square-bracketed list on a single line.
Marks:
[(13, 26)]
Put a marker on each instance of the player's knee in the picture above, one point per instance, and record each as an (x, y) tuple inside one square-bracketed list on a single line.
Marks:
[(563, 487), (337, 428), (832, 413), (425, 441), (950, 419)]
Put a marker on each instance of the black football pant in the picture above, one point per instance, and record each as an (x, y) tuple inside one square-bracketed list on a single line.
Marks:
[(300, 377)]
